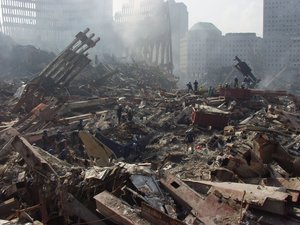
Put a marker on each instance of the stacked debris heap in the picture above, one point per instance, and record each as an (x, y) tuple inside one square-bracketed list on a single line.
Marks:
[(118, 143)]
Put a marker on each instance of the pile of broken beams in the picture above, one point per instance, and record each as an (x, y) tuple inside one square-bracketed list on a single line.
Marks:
[(243, 173), (52, 191), (65, 157)]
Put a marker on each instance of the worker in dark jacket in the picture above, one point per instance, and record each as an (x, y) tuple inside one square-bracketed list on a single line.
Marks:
[(190, 87), (130, 114), (196, 85), (119, 113), (80, 125), (236, 82), (45, 140), (189, 139)]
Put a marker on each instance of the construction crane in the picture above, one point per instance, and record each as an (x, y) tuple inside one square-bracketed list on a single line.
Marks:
[(246, 71)]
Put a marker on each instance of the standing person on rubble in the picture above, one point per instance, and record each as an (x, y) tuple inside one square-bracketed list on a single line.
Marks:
[(63, 150), (196, 85), (210, 91), (119, 113), (130, 114), (236, 82), (80, 125), (190, 87), (45, 140), (247, 82), (189, 139), (58, 137)]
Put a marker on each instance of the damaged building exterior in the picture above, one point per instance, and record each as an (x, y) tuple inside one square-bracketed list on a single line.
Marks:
[(51, 23), (200, 50), (151, 31), (117, 142), (281, 36), (246, 45), (204, 49)]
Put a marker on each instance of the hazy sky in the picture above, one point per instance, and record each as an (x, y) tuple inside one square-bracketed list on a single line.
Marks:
[(227, 15)]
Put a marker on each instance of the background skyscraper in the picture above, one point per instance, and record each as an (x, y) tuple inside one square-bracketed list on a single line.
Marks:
[(50, 24), (281, 36)]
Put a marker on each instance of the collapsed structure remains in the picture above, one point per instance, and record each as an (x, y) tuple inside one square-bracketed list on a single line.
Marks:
[(111, 145)]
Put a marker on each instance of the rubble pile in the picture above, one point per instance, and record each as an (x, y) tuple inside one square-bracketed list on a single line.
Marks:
[(142, 153), (114, 78), (21, 61)]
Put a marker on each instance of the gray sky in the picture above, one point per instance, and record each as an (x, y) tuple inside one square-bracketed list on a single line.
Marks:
[(227, 15)]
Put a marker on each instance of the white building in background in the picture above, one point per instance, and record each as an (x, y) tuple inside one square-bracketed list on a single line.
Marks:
[(152, 29), (179, 27), (51, 24), (200, 50), (247, 46), (281, 35), (205, 50), (281, 18)]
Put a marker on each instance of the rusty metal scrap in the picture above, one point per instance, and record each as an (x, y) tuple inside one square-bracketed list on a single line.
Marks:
[(157, 217), (72, 207), (67, 159), (59, 73), (117, 211), (31, 155), (208, 116), (270, 199), (205, 208), (270, 150)]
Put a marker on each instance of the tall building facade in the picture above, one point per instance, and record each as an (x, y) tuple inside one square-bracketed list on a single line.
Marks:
[(281, 35), (246, 46), (179, 18), (281, 18), (205, 50), (200, 51), (19, 18), (52, 23), (151, 30)]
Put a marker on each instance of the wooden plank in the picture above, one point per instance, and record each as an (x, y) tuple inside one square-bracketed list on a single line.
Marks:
[(117, 211)]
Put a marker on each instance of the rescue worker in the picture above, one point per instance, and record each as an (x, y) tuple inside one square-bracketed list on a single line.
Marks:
[(129, 114), (210, 91), (80, 125), (119, 113), (189, 139), (63, 150), (236, 82), (45, 140), (190, 87), (196, 85)]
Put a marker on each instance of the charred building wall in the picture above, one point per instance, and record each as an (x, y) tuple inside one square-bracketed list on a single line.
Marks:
[(50, 24), (148, 30)]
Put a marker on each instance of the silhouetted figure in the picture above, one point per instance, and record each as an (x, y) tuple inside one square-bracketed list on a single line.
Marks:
[(119, 113), (45, 140), (196, 85), (81, 151), (190, 87), (210, 91), (58, 138), (130, 114), (62, 149), (189, 139), (236, 82), (96, 60), (80, 125)]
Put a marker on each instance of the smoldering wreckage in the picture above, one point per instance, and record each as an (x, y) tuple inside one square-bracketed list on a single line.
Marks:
[(66, 159)]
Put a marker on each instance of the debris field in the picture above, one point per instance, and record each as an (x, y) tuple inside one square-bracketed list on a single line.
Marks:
[(108, 145)]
